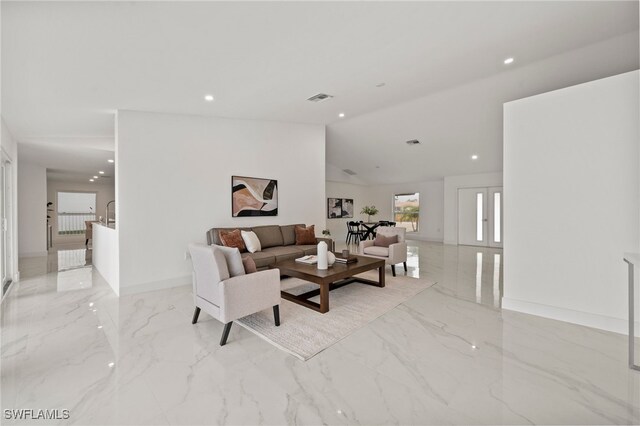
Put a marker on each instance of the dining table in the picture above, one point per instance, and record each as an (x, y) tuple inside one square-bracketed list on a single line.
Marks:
[(369, 229)]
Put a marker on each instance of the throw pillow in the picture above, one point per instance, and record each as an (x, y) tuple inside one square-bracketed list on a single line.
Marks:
[(251, 241), (305, 236), (234, 260), (383, 241), (249, 265), (232, 239)]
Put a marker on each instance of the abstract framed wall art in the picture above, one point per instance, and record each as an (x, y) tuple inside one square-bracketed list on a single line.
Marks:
[(339, 208), (253, 196)]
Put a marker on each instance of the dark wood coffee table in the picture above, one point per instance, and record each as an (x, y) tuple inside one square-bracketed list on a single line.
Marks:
[(336, 276)]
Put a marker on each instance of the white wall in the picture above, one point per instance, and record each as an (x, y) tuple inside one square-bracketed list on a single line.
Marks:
[(32, 209), (431, 220), (361, 197), (451, 186), (105, 255), (173, 182), (104, 194), (571, 201)]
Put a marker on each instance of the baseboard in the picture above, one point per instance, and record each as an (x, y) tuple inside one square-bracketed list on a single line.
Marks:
[(34, 254), (423, 238), (155, 285), (587, 319), (451, 242)]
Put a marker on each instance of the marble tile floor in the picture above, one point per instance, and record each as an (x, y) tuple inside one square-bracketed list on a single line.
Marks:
[(450, 355)]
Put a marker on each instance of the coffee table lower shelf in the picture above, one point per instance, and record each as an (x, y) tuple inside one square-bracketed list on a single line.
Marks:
[(339, 275)]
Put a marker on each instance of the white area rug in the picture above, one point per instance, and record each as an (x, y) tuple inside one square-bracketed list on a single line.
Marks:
[(305, 333)]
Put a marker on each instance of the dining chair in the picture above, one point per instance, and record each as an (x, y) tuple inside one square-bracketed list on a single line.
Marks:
[(354, 233)]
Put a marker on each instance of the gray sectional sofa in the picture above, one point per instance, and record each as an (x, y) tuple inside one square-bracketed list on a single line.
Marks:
[(278, 243)]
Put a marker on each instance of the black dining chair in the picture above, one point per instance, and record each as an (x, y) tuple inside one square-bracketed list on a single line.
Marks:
[(354, 233)]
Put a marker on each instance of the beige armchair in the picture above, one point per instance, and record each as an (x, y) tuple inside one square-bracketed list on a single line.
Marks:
[(228, 298), (396, 253)]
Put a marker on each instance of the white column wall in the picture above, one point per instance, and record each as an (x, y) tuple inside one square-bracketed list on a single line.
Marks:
[(173, 183), (571, 201), (32, 209)]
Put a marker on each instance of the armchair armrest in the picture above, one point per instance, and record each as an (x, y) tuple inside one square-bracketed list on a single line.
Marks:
[(397, 253), (329, 241), (247, 294), (364, 244)]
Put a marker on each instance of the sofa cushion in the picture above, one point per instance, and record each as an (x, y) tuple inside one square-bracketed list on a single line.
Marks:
[(233, 259), (285, 252), (384, 241), (269, 236), (249, 265), (289, 234), (377, 251), (232, 239), (308, 249), (305, 236), (251, 241), (263, 258), (213, 234)]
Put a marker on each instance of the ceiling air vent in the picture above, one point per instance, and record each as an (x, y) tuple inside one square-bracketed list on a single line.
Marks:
[(320, 97), (349, 172), (413, 142)]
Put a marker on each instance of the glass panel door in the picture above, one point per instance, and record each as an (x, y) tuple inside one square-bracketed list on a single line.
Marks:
[(495, 217), (472, 216)]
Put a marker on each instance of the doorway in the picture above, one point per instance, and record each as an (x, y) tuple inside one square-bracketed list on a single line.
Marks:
[(480, 216)]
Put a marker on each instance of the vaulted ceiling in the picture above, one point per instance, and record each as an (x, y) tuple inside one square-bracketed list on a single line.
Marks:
[(68, 66)]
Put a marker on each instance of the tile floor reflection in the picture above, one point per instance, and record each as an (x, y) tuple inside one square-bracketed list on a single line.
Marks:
[(449, 355)]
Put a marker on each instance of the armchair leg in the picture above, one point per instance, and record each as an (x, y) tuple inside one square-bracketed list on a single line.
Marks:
[(86, 242), (393, 270), (225, 333), (276, 315), (196, 314), (405, 266)]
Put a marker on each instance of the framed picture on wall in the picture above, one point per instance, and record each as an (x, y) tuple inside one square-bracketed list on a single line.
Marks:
[(338, 208), (253, 196)]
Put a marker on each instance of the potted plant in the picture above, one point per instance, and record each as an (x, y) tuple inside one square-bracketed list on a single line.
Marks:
[(369, 211), (326, 232)]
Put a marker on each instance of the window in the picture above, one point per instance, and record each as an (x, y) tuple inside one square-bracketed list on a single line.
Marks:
[(406, 209), (74, 208)]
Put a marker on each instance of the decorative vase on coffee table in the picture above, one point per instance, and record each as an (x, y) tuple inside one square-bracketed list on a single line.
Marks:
[(323, 261)]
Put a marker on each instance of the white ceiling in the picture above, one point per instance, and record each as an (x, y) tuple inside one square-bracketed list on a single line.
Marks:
[(67, 66), (72, 159)]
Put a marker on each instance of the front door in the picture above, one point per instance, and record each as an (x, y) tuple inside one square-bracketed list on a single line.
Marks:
[(480, 216)]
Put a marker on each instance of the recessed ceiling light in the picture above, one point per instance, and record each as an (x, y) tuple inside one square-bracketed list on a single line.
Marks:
[(95, 177), (341, 115), (101, 172), (90, 180), (474, 157), (508, 61), (111, 364), (208, 98), (110, 160)]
